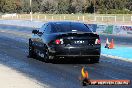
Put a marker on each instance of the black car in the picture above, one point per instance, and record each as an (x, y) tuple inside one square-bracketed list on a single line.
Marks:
[(56, 40)]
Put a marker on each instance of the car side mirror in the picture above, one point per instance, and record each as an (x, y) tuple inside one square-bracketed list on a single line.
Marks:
[(40, 33), (35, 31)]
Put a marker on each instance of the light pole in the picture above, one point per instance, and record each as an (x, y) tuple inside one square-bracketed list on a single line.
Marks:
[(94, 7), (31, 13)]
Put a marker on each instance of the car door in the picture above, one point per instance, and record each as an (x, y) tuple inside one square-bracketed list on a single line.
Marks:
[(44, 37), (46, 34), (39, 40)]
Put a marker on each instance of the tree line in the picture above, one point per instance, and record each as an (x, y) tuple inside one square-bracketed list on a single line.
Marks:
[(67, 6)]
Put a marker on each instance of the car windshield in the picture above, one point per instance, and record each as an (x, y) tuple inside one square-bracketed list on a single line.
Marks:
[(70, 27)]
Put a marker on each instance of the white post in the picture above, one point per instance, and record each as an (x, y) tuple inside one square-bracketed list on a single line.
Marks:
[(131, 18), (95, 18), (115, 18), (78, 18), (31, 16), (64, 17), (38, 17), (45, 18), (52, 18), (31, 13), (83, 18), (102, 18), (17, 16)]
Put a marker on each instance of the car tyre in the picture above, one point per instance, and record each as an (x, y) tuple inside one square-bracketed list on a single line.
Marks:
[(47, 56), (32, 54)]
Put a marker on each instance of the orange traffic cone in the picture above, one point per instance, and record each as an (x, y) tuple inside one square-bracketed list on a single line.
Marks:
[(111, 44), (107, 43)]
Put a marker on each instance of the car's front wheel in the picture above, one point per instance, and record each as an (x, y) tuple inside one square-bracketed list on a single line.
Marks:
[(32, 54), (46, 55)]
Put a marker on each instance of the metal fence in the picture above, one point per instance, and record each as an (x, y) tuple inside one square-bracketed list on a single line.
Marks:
[(89, 18)]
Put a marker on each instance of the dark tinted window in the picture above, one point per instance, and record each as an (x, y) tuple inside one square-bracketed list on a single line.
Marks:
[(48, 29), (69, 27), (42, 29)]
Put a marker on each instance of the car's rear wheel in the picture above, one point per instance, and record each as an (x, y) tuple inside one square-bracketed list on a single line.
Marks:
[(32, 54), (47, 56)]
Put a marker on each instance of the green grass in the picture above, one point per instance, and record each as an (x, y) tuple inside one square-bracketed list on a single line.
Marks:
[(89, 18)]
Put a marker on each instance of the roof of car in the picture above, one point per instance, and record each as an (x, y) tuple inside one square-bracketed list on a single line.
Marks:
[(65, 22)]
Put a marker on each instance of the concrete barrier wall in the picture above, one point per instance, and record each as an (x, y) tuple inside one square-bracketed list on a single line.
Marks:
[(104, 29), (99, 28), (115, 29), (111, 29), (126, 30)]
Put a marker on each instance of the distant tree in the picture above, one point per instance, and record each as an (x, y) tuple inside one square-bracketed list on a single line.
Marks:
[(36, 5), (71, 8), (18, 6), (25, 6), (90, 9), (8, 6), (48, 6), (62, 7), (66, 6)]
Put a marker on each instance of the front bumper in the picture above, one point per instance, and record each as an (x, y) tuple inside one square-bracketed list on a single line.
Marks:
[(75, 51)]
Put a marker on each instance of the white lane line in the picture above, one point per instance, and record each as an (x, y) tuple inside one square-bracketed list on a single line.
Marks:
[(117, 57)]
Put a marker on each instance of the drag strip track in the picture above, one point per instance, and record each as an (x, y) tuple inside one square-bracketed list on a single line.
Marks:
[(13, 53)]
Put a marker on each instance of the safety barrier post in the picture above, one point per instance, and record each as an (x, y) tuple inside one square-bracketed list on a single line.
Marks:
[(64, 17), (17, 16), (78, 18), (52, 18), (83, 19), (38, 17), (45, 18), (95, 18), (102, 18)]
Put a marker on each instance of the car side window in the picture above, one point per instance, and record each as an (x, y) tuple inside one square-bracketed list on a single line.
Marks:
[(48, 29), (42, 29)]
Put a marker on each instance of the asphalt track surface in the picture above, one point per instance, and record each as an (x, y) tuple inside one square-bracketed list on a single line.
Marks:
[(65, 74)]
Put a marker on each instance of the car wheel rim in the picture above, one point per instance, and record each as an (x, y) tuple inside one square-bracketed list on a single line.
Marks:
[(30, 48), (46, 54)]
